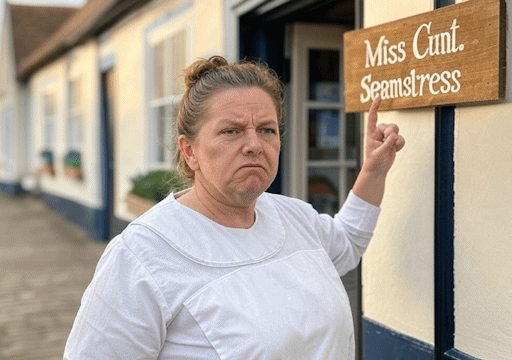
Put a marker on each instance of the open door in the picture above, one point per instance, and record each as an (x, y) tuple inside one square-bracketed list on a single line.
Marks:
[(324, 139)]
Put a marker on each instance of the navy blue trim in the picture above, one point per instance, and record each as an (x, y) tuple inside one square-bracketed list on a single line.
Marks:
[(87, 218), (106, 164), (442, 3), (443, 231), (381, 343), (12, 189), (444, 321), (455, 354)]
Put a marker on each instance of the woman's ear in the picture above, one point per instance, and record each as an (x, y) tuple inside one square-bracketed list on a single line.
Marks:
[(188, 152)]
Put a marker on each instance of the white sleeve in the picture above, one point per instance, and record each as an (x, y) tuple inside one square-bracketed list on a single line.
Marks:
[(123, 313), (347, 236)]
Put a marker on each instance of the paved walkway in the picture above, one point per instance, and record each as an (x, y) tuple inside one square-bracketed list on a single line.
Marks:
[(45, 265)]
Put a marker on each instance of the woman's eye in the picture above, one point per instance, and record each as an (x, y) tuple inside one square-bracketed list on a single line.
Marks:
[(268, 131), (229, 131)]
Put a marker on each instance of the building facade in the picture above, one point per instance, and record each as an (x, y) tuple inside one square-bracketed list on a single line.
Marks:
[(101, 92), (435, 281)]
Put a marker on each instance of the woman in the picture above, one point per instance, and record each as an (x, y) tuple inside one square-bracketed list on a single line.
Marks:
[(224, 270)]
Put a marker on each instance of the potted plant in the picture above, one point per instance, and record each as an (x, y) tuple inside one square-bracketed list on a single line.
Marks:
[(153, 187), (73, 165), (47, 167)]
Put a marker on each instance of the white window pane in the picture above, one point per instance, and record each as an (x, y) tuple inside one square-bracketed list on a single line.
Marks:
[(49, 104), (7, 144), (75, 94), (168, 63), (163, 129), (49, 118), (158, 70), (178, 62), (160, 132), (48, 133), (74, 129), (74, 132)]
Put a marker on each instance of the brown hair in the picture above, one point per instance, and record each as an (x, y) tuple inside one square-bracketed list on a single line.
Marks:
[(203, 78)]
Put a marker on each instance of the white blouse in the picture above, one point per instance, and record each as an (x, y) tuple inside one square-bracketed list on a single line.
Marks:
[(176, 285)]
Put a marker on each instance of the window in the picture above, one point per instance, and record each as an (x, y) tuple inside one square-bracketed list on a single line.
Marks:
[(49, 113), (7, 143), (168, 62), (74, 126)]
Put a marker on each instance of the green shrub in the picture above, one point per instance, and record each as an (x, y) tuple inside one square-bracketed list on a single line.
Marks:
[(157, 184), (47, 155), (73, 159)]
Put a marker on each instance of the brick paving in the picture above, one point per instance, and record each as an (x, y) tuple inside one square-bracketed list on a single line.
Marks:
[(46, 263)]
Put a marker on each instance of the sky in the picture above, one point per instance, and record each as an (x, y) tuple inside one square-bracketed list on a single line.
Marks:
[(65, 3), (71, 3)]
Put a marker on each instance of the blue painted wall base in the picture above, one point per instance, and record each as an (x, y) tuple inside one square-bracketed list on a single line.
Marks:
[(13, 189), (91, 220), (88, 218), (381, 343)]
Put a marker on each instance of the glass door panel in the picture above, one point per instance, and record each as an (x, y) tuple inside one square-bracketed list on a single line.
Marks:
[(324, 144), (351, 137), (323, 191), (324, 134), (324, 75)]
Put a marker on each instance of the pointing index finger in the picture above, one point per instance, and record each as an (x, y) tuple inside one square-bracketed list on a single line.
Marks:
[(372, 117)]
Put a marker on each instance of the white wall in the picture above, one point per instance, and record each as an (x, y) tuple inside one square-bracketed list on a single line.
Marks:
[(11, 98), (398, 272), (398, 267), (127, 43), (81, 61), (483, 223)]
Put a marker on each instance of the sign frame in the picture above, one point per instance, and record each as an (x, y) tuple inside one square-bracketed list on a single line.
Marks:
[(452, 55)]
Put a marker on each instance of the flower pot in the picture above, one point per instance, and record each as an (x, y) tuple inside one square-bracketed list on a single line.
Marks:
[(73, 172), (47, 169), (137, 205)]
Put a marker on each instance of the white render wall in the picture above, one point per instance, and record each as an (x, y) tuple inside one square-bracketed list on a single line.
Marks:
[(483, 223), (81, 61), (127, 43), (11, 100), (398, 267)]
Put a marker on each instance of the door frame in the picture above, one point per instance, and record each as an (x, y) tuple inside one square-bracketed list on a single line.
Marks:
[(107, 219)]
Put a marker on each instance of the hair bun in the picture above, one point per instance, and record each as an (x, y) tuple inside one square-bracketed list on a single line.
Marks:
[(202, 66)]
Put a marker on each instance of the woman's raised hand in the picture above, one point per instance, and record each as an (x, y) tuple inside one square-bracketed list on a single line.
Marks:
[(382, 143)]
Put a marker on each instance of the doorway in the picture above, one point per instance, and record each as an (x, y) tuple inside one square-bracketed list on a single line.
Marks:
[(302, 40), (324, 142)]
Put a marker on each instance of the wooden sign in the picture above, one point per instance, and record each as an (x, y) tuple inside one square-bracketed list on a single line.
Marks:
[(452, 55)]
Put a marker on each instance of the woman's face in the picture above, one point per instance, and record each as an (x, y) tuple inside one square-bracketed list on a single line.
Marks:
[(236, 153)]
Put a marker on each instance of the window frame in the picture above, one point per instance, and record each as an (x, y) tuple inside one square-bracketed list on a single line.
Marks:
[(7, 152), (159, 134), (49, 119), (74, 114)]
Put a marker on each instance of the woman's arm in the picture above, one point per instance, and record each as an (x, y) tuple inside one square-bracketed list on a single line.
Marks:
[(123, 313), (381, 143)]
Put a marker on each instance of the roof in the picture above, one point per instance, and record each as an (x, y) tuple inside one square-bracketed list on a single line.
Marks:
[(87, 22), (33, 25)]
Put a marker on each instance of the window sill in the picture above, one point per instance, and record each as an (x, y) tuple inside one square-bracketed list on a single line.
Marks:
[(47, 169), (73, 172), (137, 205)]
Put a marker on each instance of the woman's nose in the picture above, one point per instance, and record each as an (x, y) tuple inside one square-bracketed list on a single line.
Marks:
[(252, 144)]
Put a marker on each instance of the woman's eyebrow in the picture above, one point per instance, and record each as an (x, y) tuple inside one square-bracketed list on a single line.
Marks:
[(231, 122), (268, 122)]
